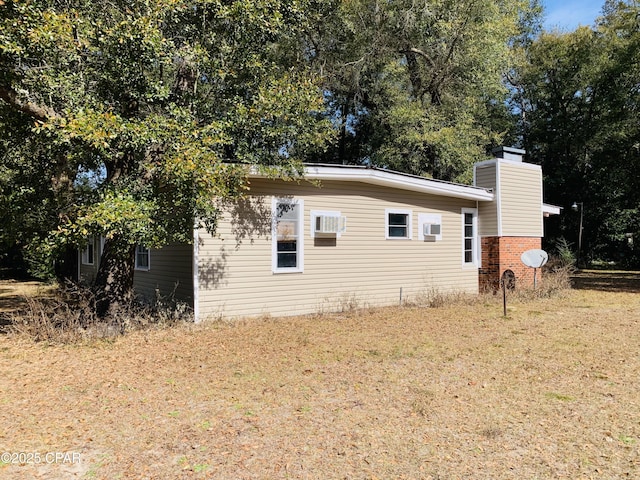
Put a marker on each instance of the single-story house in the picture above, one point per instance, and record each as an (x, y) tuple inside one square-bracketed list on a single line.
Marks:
[(350, 235)]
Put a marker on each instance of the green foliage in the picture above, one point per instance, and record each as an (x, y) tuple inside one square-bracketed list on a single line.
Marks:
[(579, 96), (418, 86), (132, 119), (565, 253)]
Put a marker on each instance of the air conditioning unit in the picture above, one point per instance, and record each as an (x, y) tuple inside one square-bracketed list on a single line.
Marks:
[(431, 230), (330, 224)]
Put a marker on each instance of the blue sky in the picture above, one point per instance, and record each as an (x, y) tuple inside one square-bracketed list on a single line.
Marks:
[(568, 14)]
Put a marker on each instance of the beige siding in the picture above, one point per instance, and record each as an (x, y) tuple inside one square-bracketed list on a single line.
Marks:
[(487, 211), (360, 267), (520, 199), (170, 274)]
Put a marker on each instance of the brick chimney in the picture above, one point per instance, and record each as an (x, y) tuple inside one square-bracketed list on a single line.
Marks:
[(512, 223)]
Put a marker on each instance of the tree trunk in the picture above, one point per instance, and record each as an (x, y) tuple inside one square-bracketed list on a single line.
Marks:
[(114, 280)]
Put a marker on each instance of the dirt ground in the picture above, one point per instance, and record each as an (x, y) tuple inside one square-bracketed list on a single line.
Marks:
[(551, 391)]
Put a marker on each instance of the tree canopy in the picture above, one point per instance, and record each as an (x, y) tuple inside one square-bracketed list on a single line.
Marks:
[(128, 119), (579, 97), (418, 86)]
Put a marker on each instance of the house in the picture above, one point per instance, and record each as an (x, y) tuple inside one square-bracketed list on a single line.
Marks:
[(350, 235)]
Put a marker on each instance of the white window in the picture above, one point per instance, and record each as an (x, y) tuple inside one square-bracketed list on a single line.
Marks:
[(287, 235), (429, 227), (398, 224), (88, 253), (327, 223), (143, 258), (470, 237)]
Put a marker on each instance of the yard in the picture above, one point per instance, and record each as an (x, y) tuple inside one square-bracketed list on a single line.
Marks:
[(550, 391)]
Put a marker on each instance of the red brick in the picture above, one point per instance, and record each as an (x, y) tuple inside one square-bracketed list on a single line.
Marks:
[(503, 253)]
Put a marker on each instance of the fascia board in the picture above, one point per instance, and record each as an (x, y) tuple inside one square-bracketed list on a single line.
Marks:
[(394, 180), (485, 162), (531, 166), (551, 209), (492, 161)]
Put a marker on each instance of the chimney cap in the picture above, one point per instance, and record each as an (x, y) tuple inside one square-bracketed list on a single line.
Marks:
[(509, 153)]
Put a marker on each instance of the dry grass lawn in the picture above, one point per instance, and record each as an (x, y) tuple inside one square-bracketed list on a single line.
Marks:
[(551, 391)]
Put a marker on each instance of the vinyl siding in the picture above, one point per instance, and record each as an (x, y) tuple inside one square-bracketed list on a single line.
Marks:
[(487, 211), (360, 267), (170, 274), (521, 199), (88, 273)]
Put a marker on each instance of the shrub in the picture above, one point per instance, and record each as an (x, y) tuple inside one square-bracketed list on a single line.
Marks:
[(564, 256), (556, 280)]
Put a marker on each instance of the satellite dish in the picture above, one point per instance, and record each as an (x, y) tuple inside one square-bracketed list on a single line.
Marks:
[(535, 258)]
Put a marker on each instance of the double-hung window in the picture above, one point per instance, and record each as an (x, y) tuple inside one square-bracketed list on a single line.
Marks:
[(287, 235), (398, 224), (88, 253), (469, 237), (143, 258)]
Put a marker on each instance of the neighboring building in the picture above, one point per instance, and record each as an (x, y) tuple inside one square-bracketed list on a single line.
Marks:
[(348, 235)]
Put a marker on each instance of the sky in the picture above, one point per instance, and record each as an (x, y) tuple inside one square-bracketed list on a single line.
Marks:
[(566, 15)]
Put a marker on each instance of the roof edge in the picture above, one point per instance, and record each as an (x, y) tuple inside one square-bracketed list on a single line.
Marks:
[(390, 178), (548, 209)]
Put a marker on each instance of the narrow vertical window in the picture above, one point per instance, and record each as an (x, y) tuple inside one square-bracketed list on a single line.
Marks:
[(287, 236), (470, 236), (142, 258), (88, 253)]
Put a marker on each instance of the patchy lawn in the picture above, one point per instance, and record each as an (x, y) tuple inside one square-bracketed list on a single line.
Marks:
[(551, 391)]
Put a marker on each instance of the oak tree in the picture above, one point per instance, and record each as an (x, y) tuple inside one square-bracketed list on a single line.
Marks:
[(138, 115)]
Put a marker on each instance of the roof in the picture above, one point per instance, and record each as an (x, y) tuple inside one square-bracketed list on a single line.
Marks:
[(393, 179)]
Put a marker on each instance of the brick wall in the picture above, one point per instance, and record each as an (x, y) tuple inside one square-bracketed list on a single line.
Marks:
[(503, 253)]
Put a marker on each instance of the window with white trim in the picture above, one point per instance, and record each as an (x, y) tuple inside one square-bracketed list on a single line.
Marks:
[(429, 227), (469, 236), (143, 258), (397, 224), (287, 235), (88, 253)]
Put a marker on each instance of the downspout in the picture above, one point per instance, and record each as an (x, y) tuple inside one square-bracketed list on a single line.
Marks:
[(196, 276), (478, 237)]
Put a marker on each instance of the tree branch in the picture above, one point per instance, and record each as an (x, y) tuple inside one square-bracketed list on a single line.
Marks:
[(39, 112), (417, 51)]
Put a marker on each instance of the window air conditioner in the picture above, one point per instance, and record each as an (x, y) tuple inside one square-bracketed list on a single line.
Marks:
[(431, 230), (330, 224)]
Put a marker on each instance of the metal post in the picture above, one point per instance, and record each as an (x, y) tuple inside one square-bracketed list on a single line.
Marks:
[(580, 235), (504, 296), (574, 207)]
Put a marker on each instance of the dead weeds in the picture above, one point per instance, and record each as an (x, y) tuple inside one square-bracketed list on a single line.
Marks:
[(551, 391)]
